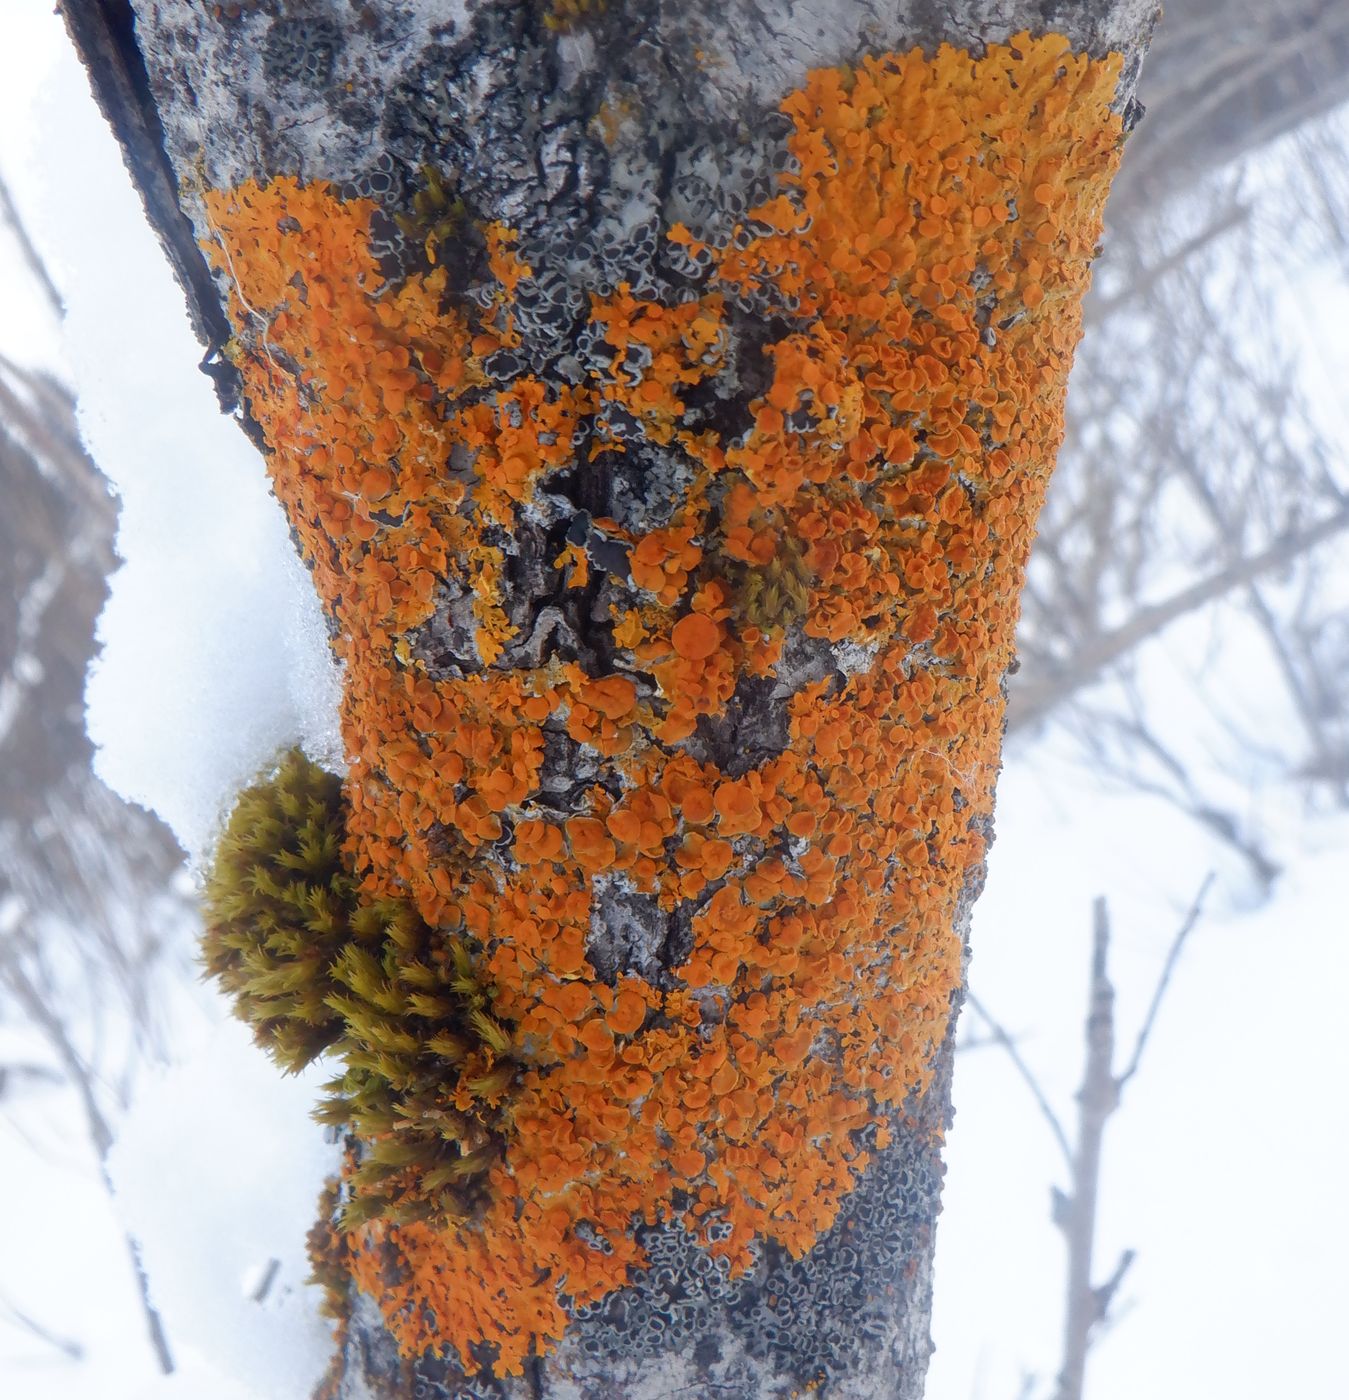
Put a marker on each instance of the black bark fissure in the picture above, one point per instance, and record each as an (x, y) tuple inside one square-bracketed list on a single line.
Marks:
[(103, 33)]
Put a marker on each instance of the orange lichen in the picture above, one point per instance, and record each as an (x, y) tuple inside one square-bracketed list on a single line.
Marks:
[(696, 637), (662, 561), (930, 248)]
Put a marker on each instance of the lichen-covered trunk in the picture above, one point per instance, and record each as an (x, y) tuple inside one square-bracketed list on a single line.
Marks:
[(663, 395)]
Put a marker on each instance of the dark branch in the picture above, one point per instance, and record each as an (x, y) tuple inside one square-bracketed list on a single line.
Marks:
[(103, 33)]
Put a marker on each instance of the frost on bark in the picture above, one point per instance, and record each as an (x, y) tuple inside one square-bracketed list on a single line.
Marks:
[(662, 395)]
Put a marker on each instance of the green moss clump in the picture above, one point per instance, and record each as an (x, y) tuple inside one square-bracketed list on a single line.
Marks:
[(565, 15), (771, 595), (277, 905), (437, 214), (315, 968), (428, 1074)]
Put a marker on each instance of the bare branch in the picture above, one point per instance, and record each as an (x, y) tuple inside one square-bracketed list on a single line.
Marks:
[(1008, 1044), (43, 1074), (1030, 701), (1164, 981), (77, 1072), (1097, 1099), (973, 1040), (1105, 1292), (1098, 308), (82, 1079), (9, 214), (67, 1346), (264, 1284)]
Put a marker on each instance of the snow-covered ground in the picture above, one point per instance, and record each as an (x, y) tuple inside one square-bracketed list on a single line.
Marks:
[(217, 1171), (1224, 1169)]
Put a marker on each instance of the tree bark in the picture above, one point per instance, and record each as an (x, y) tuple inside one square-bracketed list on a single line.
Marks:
[(672, 551)]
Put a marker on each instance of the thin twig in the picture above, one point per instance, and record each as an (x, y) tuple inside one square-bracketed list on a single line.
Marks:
[(1097, 1100), (1098, 308), (1164, 981), (83, 1080), (67, 1346), (1105, 1292), (973, 1040), (9, 214), (265, 1282), (1033, 697), (1008, 1044), (42, 1073)]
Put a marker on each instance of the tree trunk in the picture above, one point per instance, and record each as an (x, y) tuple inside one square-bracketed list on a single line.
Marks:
[(663, 395)]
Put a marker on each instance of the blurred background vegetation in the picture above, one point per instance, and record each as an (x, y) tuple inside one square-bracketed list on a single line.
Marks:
[(1203, 474)]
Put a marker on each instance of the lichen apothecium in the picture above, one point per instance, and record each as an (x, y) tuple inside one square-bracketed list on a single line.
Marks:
[(922, 264)]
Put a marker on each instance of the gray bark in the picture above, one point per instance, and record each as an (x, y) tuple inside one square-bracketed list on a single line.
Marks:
[(364, 94)]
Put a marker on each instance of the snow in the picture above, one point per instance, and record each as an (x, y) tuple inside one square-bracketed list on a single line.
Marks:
[(214, 658), (196, 1380), (215, 655), (1220, 1168), (217, 1170)]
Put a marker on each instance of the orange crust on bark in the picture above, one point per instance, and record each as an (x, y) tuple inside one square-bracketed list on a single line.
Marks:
[(930, 250)]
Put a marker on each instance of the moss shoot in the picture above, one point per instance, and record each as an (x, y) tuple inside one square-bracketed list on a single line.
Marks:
[(314, 968)]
